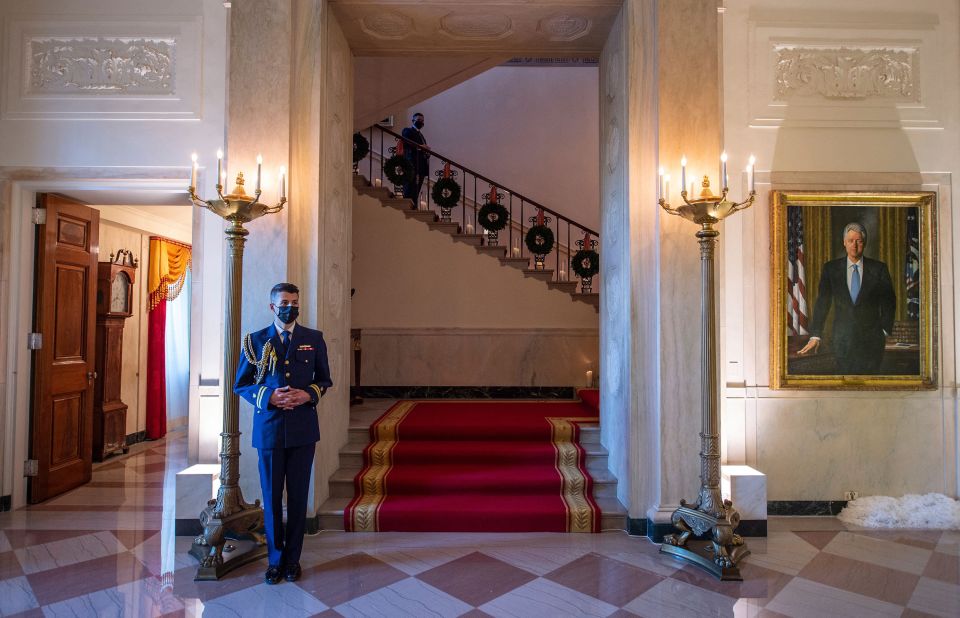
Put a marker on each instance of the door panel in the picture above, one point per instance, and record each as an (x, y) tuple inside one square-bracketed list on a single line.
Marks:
[(61, 420)]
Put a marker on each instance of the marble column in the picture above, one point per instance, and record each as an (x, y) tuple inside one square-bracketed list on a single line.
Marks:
[(659, 98)]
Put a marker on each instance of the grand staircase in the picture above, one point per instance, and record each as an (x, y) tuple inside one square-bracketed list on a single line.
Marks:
[(330, 515)]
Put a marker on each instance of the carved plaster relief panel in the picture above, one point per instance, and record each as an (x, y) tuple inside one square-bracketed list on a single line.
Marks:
[(110, 69), (388, 26), (487, 27), (564, 27), (835, 71)]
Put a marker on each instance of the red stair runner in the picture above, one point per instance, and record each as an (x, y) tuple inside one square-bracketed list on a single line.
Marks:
[(476, 466)]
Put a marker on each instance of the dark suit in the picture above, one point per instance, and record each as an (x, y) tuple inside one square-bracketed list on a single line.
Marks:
[(420, 159), (284, 439), (858, 336)]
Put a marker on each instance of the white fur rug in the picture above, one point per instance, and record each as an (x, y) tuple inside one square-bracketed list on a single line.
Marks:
[(932, 511)]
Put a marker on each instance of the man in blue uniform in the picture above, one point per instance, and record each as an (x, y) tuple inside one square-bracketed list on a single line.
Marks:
[(284, 372)]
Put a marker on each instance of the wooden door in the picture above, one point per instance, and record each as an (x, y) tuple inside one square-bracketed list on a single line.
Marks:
[(61, 420)]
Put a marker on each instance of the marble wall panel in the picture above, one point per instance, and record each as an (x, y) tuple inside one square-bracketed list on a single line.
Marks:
[(478, 357)]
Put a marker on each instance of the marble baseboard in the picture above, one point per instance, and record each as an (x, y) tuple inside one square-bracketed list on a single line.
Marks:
[(6, 503), (136, 437), (805, 508), (656, 532), (463, 392)]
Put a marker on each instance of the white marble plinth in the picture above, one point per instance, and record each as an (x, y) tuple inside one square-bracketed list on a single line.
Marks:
[(748, 490), (195, 486)]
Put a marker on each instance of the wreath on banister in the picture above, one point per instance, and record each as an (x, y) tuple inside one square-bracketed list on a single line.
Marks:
[(539, 240), (399, 170), (493, 217), (361, 146), (446, 193), (585, 263)]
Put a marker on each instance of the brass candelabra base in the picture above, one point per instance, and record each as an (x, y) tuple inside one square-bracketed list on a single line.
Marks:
[(720, 553)]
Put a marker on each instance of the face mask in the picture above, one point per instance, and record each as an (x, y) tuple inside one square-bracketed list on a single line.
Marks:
[(288, 313), (418, 124)]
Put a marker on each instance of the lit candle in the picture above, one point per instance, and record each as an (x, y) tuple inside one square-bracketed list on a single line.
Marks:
[(723, 170), (220, 172), (423, 204), (563, 275), (516, 252), (259, 166), (193, 171), (283, 182), (683, 173), (751, 173), (223, 179), (469, 228), (660, 184), (589, 378), (376, 182)]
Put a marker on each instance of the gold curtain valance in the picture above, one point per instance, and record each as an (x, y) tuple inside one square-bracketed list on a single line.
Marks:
[(169, 264)]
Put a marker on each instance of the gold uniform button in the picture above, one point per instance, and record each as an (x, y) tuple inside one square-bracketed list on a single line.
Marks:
[(288, 374), (286, 362)]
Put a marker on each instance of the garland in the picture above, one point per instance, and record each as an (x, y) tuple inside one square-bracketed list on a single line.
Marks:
[(585, 263), (493, 217), (539, 240), (360, 147), (399, 170), (446, 193)]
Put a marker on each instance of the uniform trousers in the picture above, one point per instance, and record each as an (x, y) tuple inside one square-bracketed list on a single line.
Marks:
[(288, 468)]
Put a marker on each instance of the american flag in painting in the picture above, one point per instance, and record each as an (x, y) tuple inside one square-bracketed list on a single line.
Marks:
[(912, 271), (796, 279)]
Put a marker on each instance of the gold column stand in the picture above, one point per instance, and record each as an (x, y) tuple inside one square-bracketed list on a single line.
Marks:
[(229, 513), (707, 530)]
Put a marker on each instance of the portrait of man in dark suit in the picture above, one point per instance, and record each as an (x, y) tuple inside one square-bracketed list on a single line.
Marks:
[(859, 293)]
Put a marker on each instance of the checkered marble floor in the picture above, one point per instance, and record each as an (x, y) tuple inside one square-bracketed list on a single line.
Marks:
[(107, 549)]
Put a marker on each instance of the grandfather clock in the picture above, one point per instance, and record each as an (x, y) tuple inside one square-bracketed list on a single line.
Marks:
[(114, 305)]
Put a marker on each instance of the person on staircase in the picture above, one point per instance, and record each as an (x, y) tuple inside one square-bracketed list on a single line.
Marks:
[(419, 156), (283, 372)]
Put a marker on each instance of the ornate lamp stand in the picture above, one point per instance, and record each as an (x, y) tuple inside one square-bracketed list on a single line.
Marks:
[(229, 512), (711, 514)]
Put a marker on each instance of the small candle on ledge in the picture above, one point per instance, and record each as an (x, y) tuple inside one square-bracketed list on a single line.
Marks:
[(377, 182), (516, 252), (590, 378), (659, 184), (220, 173), (469, 228), (283, 182), (423, 204), (751, 173), (259, 167), (683, 172), (723, 170), (562, 276), (193, 171)]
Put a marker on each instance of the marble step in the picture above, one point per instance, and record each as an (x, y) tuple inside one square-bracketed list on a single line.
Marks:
[(450, 228), (539, 275), (473, 240), (494, 250), (358, 433), (360, 181), (427, 216), (613, 515), (569, 287), (591, 299), (381, 193), (517, 262), (400, 203)]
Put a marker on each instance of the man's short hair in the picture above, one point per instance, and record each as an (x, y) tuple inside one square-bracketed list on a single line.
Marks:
[(283, 287), (416, 114), (856, 227)]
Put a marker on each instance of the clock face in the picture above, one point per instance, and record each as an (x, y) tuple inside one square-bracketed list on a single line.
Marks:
[(120, 294)]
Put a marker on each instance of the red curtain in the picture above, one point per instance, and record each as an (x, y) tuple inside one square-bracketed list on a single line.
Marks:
[(157, 372)]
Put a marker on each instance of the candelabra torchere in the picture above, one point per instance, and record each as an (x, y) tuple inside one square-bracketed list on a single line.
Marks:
[(229, 513), (707, 530)]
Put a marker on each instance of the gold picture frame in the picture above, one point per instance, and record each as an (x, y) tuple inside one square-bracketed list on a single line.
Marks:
[(821, 286)]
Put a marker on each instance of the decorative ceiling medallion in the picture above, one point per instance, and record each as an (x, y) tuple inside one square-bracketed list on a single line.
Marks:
[(389, 26), (844, 73), (564, 27), (92, 66), (487, 27)]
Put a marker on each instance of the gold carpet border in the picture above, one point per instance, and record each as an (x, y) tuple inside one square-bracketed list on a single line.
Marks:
[(581, 513), (373, 489)]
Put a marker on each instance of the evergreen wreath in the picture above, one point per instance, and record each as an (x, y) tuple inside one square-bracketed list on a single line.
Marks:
[(398, 169), (493, 217), (585, 263), (446, 193), (361, 146), (539, 240)]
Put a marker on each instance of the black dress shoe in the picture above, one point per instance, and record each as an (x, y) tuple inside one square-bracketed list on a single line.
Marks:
[(292, 572), (273, 575)]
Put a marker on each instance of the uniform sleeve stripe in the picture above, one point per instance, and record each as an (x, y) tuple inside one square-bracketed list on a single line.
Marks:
[(260, 396), (316, 390)]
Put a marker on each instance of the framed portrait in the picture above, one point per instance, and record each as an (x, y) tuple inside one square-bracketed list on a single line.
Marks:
[(854, 291)]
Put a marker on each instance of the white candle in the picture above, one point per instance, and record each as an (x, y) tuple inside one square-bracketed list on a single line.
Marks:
[(259, 166), (193, 171), (683, 172), (589, 378), (376, 182), (220, 173), (469, 228), (751, 171), (666, 190), (283, 182), (660, 184), (563, 275), (516, 252), (223, 180), (423, 204), (723, 170)]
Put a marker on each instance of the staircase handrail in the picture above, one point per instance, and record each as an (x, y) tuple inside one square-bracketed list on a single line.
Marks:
[(522, 197)]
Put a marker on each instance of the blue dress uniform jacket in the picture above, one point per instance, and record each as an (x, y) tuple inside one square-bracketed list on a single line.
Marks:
[(266, 366)]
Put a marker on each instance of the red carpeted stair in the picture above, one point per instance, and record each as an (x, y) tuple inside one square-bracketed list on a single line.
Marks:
[(484, 466)]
